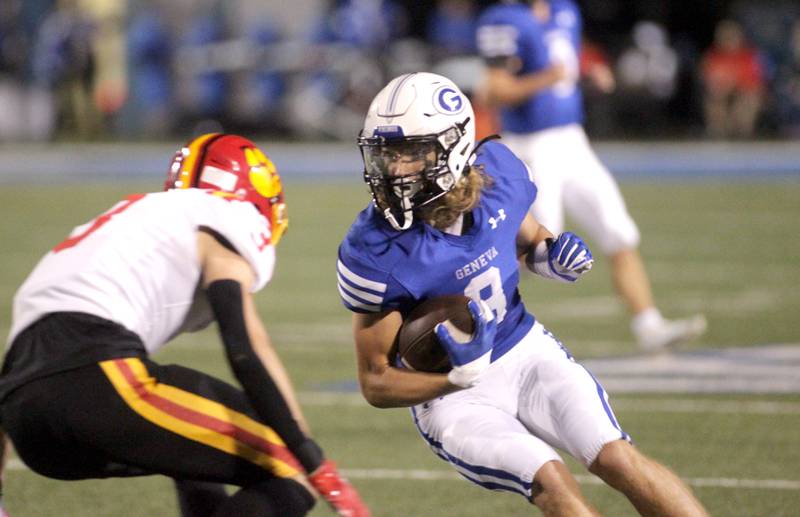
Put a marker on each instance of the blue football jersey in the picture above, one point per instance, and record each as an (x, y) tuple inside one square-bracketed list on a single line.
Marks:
[(380, 268), (511, 31)]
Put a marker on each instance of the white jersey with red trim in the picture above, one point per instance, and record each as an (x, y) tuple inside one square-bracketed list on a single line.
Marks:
[(137, 264)]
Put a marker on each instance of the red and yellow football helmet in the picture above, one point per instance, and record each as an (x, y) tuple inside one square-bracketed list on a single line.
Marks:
[(232, 166)]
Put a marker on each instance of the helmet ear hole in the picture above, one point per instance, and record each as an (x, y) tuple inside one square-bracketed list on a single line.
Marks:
[(446, 181)]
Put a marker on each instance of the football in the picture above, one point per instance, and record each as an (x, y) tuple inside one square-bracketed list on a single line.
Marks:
[(418, 347)]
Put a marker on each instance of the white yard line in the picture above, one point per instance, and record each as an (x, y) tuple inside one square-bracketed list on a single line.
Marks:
[(756, 369), (425, 475), (752, 407), (418, 474), (325, 398)]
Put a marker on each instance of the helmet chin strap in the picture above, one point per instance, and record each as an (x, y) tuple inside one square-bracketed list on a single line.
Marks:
[(390, 217), (408, 216)]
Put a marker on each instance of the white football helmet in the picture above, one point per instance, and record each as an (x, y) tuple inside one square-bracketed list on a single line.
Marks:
[(416, 143)]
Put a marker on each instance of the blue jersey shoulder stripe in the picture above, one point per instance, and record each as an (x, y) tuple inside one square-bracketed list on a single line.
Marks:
[(359, 294), (360, 281), (364, 295), (356, 305)]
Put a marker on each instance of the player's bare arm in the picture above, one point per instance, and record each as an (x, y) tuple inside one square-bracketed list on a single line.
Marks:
[(503, 88), (530, 234), (220, 263), (602, 77), (383, 385)]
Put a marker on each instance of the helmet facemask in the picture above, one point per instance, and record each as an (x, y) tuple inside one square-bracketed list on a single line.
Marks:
[(406, 173), (415, 143)]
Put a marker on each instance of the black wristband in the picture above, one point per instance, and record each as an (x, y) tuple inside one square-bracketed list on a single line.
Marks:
[(309, 454)]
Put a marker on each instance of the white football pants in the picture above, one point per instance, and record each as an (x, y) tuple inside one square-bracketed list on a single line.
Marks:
[(533, 399)]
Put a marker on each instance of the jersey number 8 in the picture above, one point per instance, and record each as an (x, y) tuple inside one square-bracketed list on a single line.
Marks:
[(489, 279)]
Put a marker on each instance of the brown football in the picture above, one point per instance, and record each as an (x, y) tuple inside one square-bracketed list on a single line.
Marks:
[(418, 347)]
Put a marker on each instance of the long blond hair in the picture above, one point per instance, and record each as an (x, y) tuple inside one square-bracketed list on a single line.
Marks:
[(463, 198)]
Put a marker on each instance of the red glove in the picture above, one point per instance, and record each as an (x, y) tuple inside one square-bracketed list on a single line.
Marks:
[(339, 493)]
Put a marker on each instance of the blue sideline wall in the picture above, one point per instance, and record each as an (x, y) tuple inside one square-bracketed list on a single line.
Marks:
[(63, 162)]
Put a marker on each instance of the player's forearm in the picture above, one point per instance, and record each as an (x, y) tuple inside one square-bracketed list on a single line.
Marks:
[(275, 368), (505, 89), (602, 77), (530, 234), (272, 363), (541, 235), (382, 385), (395, 387), (227, 302)]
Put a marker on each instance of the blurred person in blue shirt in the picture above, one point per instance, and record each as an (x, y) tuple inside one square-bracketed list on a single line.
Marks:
[(267, 87), (259, 84), (346, 67), (451, 28), (369, 25), (204, 86), (532, 52), (150, 55)]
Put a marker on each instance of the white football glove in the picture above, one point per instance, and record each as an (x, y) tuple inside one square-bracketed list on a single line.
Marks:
[(469, 355), (565, 258)]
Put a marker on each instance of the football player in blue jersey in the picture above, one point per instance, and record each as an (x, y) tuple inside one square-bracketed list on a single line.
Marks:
[(451, 217), (532, 55)]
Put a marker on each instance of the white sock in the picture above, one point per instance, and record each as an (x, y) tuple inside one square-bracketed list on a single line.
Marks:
[(646, 320)]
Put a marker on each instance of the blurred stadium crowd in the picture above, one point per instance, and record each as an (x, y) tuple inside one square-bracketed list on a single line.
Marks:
[(146, 69)]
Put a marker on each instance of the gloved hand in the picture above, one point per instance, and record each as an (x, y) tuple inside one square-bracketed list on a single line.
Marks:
[(564, 258), (337, 491), (470, 357)]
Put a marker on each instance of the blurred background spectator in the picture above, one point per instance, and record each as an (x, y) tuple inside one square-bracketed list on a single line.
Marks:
[(63, 64), (788, 87), (648, 73), (15, 98), (733, 83), (598, 83), (106, 69), (109, 88)]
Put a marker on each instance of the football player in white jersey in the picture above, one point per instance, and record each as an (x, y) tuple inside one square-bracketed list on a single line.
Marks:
[(449, 217), (80, 397), (525, 45)]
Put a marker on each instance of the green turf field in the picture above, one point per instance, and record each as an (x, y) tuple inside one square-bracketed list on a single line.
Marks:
[(729, 250)]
